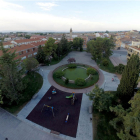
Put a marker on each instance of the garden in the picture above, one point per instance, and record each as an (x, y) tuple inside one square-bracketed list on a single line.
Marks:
[(75, 76)]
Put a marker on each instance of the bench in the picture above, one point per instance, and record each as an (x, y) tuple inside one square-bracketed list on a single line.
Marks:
[(54, 132), (35, 96)]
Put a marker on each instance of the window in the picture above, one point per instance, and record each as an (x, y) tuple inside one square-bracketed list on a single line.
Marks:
[(27, 51), (23, 58), (29, 55), (35, 53), (33, 49), (20, 53)]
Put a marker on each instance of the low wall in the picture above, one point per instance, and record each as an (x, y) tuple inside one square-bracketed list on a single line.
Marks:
[(72, 81)]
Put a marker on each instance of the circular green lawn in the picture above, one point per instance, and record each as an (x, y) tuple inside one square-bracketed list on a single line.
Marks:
[(74, 73)]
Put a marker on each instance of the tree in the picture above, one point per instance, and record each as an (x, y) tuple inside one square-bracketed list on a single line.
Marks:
[(106, 31), (101, 47), (1, 98), (11, 78), (70, 45), (27, 36), (64, 45), (30, 64), (129, 79), (50, 47), (129, 119), (40, 55), (101, 100), (78, 43)]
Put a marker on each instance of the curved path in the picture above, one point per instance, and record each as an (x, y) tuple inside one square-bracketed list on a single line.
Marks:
[(85, 90), (80, 57)]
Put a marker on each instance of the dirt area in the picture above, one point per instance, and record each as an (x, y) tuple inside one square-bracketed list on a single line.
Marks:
[(119, 76), (62, 107)]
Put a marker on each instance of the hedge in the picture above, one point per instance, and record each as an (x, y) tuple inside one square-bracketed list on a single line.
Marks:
[(80, 82)]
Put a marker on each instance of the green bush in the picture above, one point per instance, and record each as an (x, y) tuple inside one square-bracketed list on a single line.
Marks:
[(105, 62), (80, 82), (91, 71), (119, 69), (66, 81), (59, 74), (72, 66)]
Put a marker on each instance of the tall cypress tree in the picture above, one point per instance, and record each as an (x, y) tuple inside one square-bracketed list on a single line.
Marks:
[(129, 79), (11, 77)]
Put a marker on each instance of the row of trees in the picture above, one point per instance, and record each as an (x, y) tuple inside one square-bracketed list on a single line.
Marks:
[(101, 47), (123, 103), (56, 50)]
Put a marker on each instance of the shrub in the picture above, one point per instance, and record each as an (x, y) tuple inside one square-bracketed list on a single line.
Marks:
[(66, 81), (80, 82), (91, 71), (91, 77), (59, 74), (119, 68), (72, 65), (105, 62)]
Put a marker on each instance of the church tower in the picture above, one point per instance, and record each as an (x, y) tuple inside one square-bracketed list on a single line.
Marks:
[(70, 33)]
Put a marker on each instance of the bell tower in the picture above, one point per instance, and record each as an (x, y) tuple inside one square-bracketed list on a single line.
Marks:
[(70, 33)]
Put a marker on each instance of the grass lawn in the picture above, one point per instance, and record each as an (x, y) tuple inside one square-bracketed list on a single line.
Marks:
[(110, 68), (74, 73), (89, 82), (33, 86)]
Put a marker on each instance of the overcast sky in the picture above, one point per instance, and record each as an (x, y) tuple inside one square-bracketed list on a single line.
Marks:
[(61, 15)]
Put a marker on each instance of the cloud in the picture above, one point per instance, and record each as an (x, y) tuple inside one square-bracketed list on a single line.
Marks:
[(4, 4), (47, 6), (26, 21), (78, 12)]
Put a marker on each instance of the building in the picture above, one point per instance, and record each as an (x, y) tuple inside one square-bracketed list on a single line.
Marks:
[(8, 45), (70, 37), (24, 51), (133, 50), (134, 31), (25, 41)]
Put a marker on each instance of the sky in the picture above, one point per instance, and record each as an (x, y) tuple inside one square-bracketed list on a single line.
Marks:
[(61, 15)]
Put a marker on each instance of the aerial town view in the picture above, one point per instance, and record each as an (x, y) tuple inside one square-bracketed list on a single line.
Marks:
[(69, 70)]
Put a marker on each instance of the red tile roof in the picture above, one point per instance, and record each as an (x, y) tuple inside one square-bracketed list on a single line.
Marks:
[(6, 43), (26, 40), (24, 47)]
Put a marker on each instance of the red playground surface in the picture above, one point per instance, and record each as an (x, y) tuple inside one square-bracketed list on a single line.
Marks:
[(64, 115)]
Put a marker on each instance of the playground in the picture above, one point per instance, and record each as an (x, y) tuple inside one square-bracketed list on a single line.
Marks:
[(58, 112)]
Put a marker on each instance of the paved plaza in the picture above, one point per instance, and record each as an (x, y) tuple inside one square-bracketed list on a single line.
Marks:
[(84, 130)]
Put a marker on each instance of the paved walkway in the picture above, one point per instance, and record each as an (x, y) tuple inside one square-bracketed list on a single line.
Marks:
[(15, 129), (119, 57), (116, 61)]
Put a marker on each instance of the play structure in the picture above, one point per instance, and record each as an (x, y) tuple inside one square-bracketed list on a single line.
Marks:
[(54, 91), (67, 118), (73, 96), (49, 107)]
